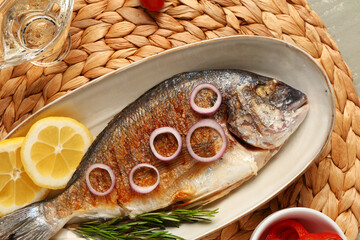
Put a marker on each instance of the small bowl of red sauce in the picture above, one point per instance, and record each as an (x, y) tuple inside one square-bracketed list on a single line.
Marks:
[(298, 224)]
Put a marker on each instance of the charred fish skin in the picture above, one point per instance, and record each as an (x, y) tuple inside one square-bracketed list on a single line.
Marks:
[(124, 143)]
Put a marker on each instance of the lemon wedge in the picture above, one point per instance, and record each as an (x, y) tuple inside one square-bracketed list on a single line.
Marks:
[(52, 150), (16, 188)]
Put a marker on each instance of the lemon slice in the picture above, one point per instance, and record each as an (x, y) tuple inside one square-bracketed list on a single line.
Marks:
[(16, 188), (53, 149)]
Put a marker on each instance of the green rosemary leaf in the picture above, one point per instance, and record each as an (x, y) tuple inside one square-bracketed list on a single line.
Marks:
[(149, 226)]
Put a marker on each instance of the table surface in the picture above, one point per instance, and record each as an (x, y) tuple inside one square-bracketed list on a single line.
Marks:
[(342, 19)]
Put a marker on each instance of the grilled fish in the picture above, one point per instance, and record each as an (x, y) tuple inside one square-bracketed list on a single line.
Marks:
[(257, 114)]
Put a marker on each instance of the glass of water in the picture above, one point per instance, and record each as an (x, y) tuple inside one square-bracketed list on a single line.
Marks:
[(34, 30)]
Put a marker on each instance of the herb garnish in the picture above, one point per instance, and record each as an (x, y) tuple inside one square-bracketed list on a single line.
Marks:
[(148, 226)]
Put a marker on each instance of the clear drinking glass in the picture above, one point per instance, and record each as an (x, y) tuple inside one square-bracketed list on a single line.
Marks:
[(34, 30)]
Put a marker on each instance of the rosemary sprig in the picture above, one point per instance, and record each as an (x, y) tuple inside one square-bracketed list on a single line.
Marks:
[(148, 226)]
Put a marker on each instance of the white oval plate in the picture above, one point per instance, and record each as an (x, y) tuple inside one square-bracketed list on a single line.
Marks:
[(97, 102)]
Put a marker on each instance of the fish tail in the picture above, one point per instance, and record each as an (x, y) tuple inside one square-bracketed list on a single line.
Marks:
[(29, 223)]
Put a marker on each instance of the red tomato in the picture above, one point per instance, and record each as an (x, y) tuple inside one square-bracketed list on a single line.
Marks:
[(153, 5)]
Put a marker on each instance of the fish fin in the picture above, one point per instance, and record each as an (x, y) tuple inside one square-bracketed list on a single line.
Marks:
[(28, 223), (204, 200)]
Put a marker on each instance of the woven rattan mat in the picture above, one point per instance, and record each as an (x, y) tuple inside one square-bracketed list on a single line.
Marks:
[(108, 34)]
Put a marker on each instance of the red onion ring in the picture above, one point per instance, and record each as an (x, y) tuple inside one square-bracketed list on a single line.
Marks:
[(101, 166), (206, 123), (201, 110), (158, 131), (138, 188)]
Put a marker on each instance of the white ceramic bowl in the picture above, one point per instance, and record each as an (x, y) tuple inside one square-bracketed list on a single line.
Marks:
[(313, 221)]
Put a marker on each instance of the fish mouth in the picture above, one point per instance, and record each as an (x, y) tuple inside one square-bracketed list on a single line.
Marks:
[(301, 101), (300, 112)]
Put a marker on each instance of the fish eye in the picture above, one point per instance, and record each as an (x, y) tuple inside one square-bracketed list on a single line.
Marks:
[(266, 89)]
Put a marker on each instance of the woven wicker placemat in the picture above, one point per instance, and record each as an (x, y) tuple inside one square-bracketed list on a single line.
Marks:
[(108, 34)]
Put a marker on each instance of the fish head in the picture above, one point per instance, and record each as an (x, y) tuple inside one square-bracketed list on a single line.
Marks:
[(265, 112)]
